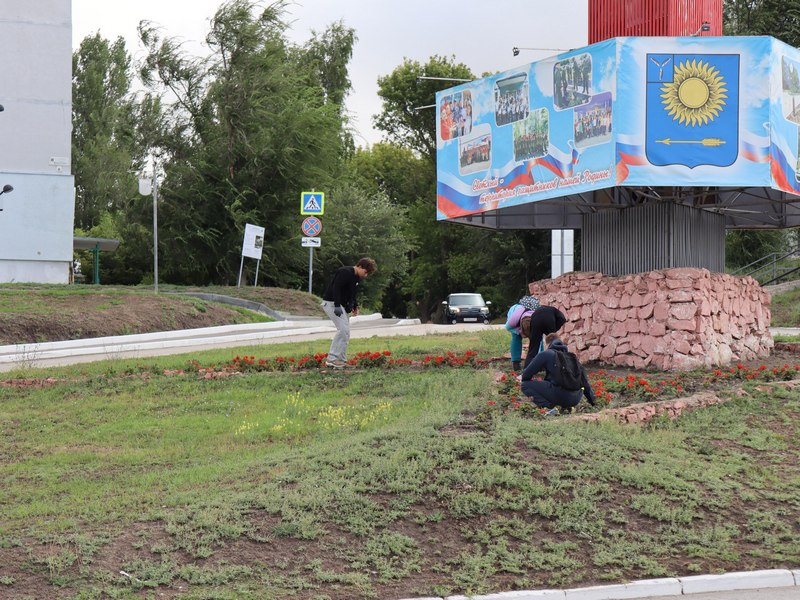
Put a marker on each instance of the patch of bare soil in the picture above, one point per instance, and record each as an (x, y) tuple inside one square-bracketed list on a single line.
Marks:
[(70, 317), (282, 300), (39, 314)]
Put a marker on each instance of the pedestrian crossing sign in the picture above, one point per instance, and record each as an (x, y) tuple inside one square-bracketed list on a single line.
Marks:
[(312, 203)]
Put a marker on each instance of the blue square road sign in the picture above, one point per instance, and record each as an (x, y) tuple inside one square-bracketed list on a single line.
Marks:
[(312, 203)]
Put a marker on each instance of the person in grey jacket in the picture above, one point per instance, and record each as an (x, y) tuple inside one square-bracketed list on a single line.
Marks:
[(546, 393), (338, 301)]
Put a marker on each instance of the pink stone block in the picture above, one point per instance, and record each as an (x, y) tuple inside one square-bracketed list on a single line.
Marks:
[(683, 311), (682, 295), (661, 310), (675, 284), (681, 324), (608, 352), (618, 330)]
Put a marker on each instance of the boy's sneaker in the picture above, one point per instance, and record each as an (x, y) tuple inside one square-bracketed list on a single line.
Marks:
[(335, 364), (553, 412)]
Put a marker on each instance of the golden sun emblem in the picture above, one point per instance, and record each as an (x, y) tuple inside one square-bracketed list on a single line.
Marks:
[(696, 94)]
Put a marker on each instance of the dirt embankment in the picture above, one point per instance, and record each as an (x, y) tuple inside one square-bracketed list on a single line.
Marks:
[(36, 315)]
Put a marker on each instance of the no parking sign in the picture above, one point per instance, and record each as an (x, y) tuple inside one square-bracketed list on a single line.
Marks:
[(311, 226)]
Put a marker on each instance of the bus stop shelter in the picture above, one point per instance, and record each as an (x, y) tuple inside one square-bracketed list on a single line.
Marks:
[(95, 245)]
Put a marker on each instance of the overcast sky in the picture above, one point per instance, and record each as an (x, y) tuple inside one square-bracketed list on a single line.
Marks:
[(479, 33)]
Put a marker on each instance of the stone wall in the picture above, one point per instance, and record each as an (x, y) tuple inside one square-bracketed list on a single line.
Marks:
[(672, 319)]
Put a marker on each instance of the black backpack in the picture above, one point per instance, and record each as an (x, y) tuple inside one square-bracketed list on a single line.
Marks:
[(568, 371)]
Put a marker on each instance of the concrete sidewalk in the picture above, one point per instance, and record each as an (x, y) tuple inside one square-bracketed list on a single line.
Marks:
[(775, 584), (191, 340)]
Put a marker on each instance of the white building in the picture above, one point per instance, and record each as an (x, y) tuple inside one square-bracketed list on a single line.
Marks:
[(36, 221)]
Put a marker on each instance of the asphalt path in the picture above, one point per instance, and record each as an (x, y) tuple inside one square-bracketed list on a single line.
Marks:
[(790, 593), (301, 329)]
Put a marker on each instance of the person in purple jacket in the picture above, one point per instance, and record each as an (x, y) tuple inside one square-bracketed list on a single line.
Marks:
[(522, 309)]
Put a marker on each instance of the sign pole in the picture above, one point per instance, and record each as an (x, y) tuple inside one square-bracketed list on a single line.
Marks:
[(239, 281), (310, 267), (255, 283)]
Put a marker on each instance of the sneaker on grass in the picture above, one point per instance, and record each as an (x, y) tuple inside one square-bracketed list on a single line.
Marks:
[(553, 412), (335, 364)]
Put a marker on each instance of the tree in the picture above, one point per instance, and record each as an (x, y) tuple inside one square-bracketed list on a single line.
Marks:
[(394, 171), (403, 119), (365, 224), (254, 124), (103, 138), (446, 257), (745, 247), (113, 129), (777, 18)]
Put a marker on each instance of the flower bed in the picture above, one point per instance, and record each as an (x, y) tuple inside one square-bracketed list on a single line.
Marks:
[(653, 394)]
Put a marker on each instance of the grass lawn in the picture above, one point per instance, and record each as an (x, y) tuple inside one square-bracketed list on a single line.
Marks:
[(172, 478)]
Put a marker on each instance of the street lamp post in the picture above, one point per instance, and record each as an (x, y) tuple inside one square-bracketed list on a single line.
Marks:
[(145, 190), (7, 189), (515, 50), (426, 77)]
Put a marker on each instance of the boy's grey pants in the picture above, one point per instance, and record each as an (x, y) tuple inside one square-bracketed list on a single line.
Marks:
[(339, 343)]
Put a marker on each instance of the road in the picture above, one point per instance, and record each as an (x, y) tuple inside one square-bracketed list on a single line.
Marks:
[(790, 593), (192, 340)]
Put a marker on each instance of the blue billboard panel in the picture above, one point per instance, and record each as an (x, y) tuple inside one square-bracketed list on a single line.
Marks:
[(539, 131), (694, 111)]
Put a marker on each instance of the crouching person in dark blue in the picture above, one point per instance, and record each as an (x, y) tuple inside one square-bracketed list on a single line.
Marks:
[(565, 381)]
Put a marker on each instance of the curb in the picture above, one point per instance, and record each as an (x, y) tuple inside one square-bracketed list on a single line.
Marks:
[(651, 588)]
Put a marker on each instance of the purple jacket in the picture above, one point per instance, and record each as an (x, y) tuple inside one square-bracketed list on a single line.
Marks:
[(515, 315)]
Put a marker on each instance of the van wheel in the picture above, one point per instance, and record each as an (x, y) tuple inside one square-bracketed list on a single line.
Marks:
[(486, 321), (454, 321)]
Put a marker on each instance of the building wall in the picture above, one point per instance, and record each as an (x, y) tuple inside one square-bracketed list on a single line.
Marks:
[(36, 223), (620, 18)]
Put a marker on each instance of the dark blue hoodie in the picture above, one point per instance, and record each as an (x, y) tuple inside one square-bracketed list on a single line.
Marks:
[(546, 361)]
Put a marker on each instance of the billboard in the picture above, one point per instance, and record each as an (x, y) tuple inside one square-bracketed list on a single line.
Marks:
[(636, 111)]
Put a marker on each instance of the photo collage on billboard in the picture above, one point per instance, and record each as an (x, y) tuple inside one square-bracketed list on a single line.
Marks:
[(592, 121), (475, 153), (524, 122), (790, 82), (532, 135), (572, 82), (455, 115)]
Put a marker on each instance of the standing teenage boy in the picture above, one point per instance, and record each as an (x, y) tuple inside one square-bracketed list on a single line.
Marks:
[(339, 300)]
